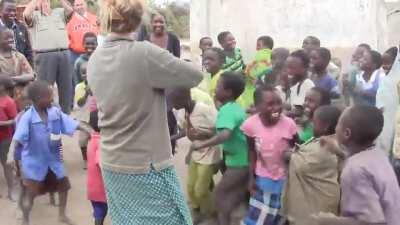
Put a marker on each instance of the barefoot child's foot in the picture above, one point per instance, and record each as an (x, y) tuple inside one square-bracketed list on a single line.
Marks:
[(66, 220)]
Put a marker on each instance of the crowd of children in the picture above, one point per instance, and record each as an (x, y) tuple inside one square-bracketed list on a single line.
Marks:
[(271, 128)]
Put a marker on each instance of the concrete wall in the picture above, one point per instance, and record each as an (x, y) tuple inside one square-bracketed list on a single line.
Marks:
[(340, 24)]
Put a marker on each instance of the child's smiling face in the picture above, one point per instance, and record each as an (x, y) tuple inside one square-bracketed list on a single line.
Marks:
[(7, 40), (316, 61), (205, 44), (295, 68), (229, 43), (90, 44), (270, 106)]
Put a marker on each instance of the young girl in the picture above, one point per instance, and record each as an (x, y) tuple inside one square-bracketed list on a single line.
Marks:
[(231, 190), (234, 60), (312, 185), (95, 185), (14, 64), (319, 60), (297, 66), (198, 122), (369, 190), (269, 135), (39, 133), (8, 112), (367, 82), (315, 98)]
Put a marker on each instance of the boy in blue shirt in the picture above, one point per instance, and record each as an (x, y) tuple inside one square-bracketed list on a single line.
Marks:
[(39, 134)]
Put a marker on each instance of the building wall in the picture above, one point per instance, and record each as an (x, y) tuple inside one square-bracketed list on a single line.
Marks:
[(340, 24)]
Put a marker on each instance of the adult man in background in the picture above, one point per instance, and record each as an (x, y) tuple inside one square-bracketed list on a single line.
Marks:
[(8, 13), (50, 45)]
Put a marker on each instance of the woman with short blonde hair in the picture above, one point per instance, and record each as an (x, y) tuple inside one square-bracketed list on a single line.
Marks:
[(129, 79)]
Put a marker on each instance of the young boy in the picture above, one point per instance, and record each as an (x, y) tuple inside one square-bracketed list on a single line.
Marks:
[(370, 193), (83, 96), (319, 61), (198, 121), (231, 191), (204, 44), (234, 61), (257, 68), (8, 112), (39, 133), (90, 45)]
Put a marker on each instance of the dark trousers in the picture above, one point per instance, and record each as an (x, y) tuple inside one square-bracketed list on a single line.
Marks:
[(55, 67)]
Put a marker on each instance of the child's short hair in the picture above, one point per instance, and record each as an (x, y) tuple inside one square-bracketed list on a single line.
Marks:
[(267, 41), (376, 58), (325, 96), (89, 35), (392, 52), (325, 54), (233, 81), (204, 38), (365, 46), (219, 52), (258, 93), (314, 41), (365, 123), (303, 56), (36, 89), (221, 36), (329, 115)]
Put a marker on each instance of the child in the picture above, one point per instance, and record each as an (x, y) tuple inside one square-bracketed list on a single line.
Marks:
[(312, 185), (388, 59), (234, 61), (95, 185), (214, 59), (231, 191), (297, 66), (367, 82), (39, 133), (198, 121), (257, 68), (204, 44), (269, 135), (82, 99), (370, 193), (349, 78), (278, 58), (8, 112), (319, 60), (315, 98), (14, 65), (90, 45)]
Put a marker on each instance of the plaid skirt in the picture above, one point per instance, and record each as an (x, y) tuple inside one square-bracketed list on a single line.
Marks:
[(263, 209), (146, 199)]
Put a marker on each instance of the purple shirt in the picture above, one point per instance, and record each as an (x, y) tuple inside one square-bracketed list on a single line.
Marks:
[(370, 192), (327, 83)]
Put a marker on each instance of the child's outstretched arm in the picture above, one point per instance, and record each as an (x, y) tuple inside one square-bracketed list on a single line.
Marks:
[(85, 127), (7, 123), (252, 164), (217, 139)]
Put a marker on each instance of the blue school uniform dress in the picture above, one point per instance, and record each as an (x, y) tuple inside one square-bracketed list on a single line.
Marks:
[(41, 143)]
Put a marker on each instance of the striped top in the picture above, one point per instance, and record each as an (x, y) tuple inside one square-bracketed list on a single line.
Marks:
[(235, 63)]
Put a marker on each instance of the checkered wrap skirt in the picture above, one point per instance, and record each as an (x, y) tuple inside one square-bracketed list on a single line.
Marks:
[(154, 198), (263, 209)]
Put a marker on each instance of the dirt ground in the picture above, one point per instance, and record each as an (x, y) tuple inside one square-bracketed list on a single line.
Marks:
[(79, 208)]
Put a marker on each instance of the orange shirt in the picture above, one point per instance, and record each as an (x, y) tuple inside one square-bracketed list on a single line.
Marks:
[(77, 27)]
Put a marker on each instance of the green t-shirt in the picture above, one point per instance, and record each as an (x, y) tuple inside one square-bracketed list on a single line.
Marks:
[(231, 116), (307, 133)]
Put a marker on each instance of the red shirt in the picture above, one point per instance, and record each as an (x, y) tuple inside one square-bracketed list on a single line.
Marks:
[(8, 111), (77, 27), (95, 184)]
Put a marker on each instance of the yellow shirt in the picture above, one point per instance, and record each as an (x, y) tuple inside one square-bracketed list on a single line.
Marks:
[(214, 82)]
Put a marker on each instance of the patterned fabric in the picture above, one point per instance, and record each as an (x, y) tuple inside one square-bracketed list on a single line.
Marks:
[(263, 209), (146, 199)]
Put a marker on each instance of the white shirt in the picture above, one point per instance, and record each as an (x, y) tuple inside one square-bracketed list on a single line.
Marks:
[(298, 94)]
